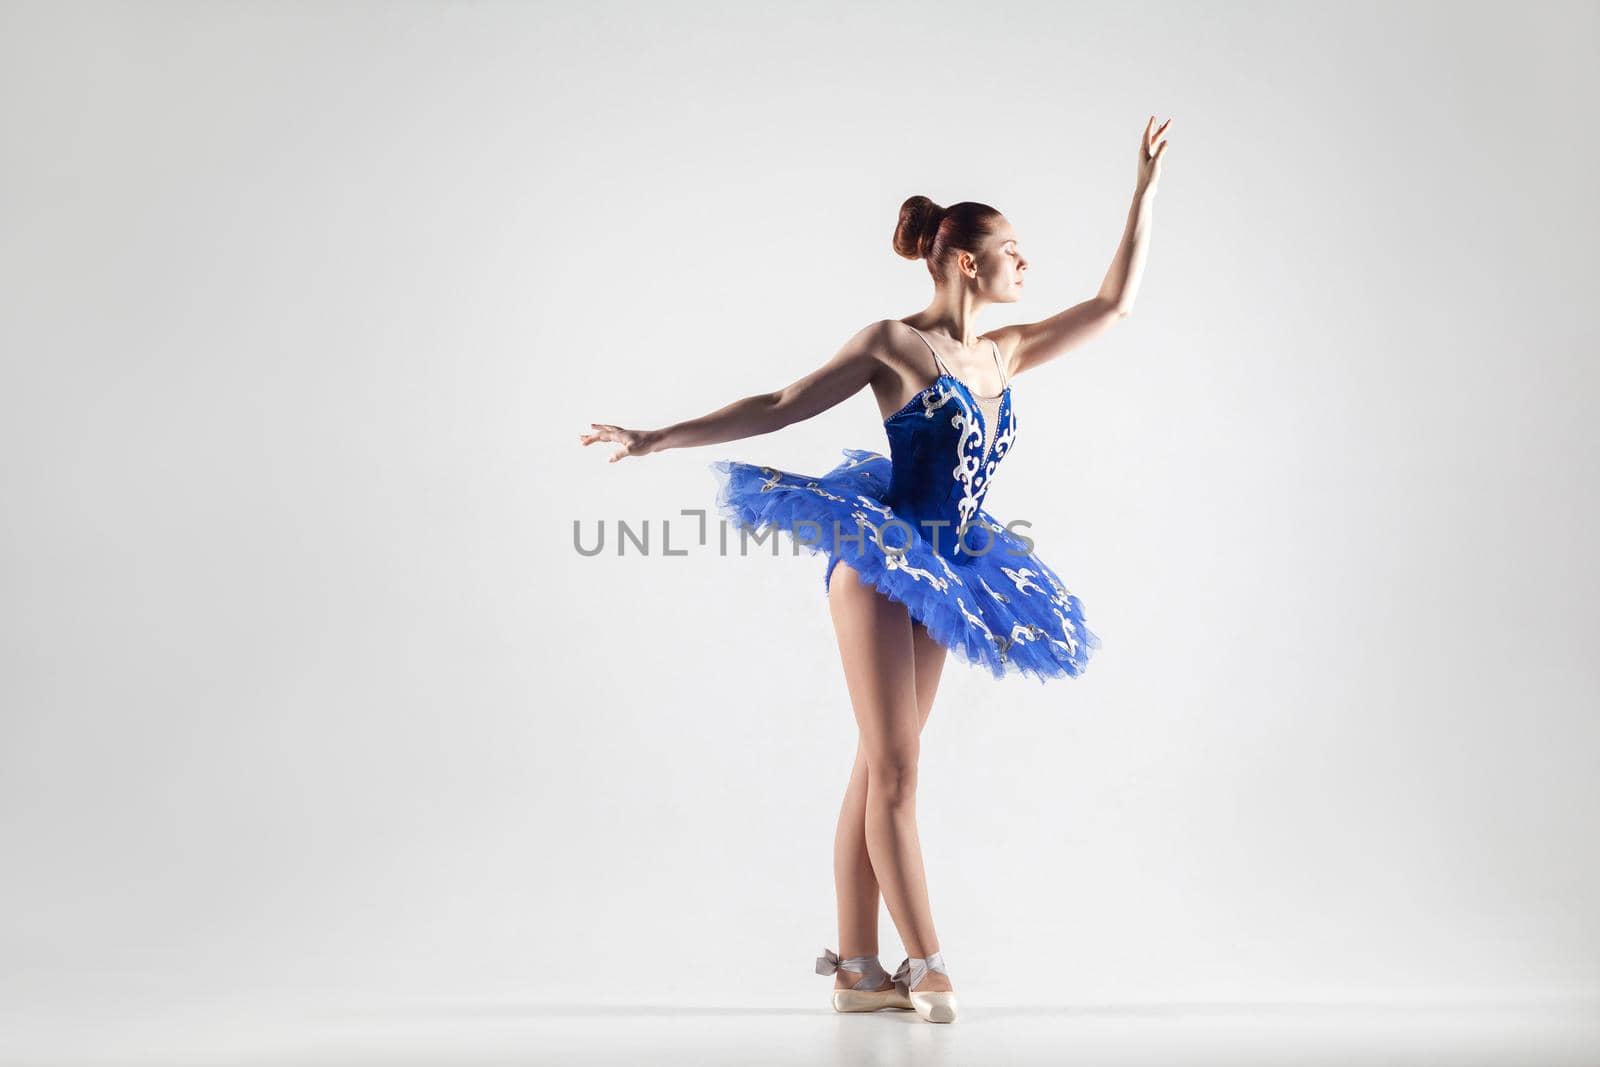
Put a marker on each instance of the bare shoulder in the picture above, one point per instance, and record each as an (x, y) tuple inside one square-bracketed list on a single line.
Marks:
[(905, 367), (903, 354), (898, 343), (880, 335), (880, 342), (1007, 339)]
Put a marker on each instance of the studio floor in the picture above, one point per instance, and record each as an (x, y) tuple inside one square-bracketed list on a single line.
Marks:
[(511, 1032)]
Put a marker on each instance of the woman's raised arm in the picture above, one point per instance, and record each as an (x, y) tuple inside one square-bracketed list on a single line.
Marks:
[(1031, 344), (840, 378)]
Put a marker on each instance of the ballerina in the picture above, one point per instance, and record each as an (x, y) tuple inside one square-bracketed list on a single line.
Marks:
[(917, 567)]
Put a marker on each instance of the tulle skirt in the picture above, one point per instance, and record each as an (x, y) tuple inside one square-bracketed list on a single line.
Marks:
[(996, 604)]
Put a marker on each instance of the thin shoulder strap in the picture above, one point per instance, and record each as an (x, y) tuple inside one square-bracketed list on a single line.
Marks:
[(936, 360), (1002, 366)]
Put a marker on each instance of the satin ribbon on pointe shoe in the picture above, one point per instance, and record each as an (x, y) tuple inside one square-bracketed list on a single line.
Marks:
[(936, 1006), (913, 969), (872, 972)]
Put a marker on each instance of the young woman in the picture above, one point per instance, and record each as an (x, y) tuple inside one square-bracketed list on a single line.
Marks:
[(916, 567)]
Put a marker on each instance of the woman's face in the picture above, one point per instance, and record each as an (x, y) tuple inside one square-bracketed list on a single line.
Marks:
[(1000, 265)]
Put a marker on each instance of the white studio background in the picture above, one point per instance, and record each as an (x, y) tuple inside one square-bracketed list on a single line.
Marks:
[(308, 693)]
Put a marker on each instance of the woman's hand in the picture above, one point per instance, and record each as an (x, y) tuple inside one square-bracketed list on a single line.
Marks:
[(633, 442), (1151, 147)]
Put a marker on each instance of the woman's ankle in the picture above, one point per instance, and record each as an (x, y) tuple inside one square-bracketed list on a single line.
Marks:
[(927, 974)]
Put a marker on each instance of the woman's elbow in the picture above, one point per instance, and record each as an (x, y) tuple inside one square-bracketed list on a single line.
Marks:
[(776, 409)]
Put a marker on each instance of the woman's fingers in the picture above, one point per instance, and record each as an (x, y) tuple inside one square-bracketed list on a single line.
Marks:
[(1152, 135), (602, 432)]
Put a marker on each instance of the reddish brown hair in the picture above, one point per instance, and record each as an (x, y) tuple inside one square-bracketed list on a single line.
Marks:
[(928, 231)]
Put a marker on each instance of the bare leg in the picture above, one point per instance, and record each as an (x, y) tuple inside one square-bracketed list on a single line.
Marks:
[(854, 881), (892, 670)]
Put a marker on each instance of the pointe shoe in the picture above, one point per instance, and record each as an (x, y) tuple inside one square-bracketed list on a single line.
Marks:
[(864, 995), (936, 1007)]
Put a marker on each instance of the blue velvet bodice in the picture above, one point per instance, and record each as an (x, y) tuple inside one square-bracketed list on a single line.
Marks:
[(940, 467)]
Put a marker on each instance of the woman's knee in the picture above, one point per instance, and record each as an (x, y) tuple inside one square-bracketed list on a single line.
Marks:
[(893, 776)]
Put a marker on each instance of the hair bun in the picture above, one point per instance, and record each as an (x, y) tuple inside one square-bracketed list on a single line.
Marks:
[(917, 228), (928, 236)]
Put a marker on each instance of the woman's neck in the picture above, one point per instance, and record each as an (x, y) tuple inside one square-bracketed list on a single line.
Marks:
[(955, 315)]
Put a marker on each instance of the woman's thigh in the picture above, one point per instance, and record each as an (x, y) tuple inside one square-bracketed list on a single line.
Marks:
[(928, 664), (877, 647)]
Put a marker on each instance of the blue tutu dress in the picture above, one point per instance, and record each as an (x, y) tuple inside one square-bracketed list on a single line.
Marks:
[(912, 524)]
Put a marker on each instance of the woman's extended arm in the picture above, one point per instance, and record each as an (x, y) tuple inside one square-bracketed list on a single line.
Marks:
[(832, 383), (1032, 344)]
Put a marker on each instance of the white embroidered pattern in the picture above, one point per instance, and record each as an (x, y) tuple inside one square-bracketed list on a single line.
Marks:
[(1023, 579), (1029, 632), (1001, 597), (937, 396), (975, 462)]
